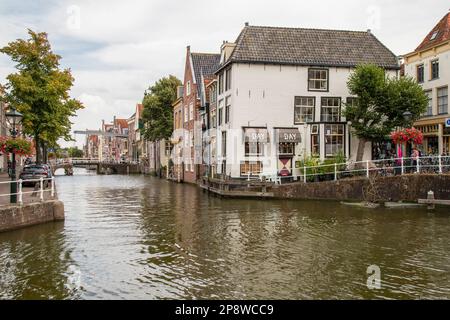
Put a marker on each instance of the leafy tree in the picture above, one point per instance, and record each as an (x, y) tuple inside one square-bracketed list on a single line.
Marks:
[(157, 115), (74, 152), (40, 91), (381, 104)]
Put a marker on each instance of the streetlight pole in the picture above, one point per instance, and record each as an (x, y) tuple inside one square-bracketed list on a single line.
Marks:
[(14, 117)]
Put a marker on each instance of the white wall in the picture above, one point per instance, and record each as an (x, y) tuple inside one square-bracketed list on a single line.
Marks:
[(264, 95)]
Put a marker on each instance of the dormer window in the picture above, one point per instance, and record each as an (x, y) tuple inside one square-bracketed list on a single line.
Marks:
[(434, 35)]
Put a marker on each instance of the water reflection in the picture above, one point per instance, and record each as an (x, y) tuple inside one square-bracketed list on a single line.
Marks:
[(145, 238)]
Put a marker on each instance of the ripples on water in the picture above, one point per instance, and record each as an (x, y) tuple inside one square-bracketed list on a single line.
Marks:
[(138, 237)]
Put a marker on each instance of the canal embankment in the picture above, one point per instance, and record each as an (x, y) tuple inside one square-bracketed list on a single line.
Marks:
[(36, 207), (14, 217), (408, 188)]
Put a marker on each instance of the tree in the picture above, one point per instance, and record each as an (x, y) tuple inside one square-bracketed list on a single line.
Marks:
[(381, 104), (158, 114), (74, 152), (40, 91)]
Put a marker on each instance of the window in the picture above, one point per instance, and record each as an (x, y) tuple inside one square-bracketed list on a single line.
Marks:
[(228, 79), (304, 109), (186, 114), (286, 148), (334, 139), (220, 119), (221, 83), (434, 69), (434, 35), (253, 168), (429, 111), (213, 119), (227, 109), (168, 148), (317, 79), (191, 112), (420, 73), (254, 149), (212, 94), (188, 88), (442, 95), (330, 111), (224, 143)]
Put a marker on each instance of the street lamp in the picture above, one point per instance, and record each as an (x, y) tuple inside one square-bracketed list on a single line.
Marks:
[(14, 119)]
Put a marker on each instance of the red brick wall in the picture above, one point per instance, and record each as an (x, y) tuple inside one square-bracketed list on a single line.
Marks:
[(189, 176)]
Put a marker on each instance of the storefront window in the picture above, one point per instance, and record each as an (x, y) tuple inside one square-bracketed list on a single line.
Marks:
[(334, 139), (253, 168)]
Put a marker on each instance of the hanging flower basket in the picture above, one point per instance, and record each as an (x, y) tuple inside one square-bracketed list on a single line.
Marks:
[(18, 146), (407, 135)]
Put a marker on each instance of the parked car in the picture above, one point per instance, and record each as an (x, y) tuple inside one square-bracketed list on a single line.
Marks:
[(35, 172)]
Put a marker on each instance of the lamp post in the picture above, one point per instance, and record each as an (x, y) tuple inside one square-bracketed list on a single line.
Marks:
[(14, 118)]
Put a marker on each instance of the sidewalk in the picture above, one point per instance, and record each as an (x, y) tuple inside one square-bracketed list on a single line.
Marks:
[(27, 198)]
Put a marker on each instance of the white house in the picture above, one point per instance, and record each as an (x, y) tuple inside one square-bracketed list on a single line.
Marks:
[(429, 64), (281, 93)]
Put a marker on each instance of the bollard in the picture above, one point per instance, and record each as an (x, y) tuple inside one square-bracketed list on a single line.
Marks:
[(335, 171), (430, 197)]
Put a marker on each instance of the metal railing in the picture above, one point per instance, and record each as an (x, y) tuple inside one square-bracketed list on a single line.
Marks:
[(40, 190), (385, 167)]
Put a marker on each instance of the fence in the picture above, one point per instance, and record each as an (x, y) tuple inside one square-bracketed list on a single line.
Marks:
[(384, 167), (43, 184)]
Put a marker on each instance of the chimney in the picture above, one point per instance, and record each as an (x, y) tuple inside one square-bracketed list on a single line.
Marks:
[(226, 50), (246, 24), (369, 31)]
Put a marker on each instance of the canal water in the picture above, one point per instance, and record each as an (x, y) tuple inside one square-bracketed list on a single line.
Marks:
[(139, 237)]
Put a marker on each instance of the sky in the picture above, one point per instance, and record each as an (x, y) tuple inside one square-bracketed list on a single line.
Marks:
[(116, 49)]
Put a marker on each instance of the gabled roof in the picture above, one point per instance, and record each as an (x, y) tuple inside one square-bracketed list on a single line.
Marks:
[(206, 63), (122, 123), (441, 33), (317, 47)]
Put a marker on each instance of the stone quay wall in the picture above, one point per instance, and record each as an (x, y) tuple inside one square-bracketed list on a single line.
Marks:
[(20, 216), (395, 188)]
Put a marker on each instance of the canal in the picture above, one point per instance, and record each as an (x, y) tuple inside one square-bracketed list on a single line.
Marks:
[(139, 237)]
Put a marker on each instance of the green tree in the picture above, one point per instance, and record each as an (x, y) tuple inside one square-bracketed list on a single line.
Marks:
[(381, 104), (74, 152), (158, 114), (40, 91)]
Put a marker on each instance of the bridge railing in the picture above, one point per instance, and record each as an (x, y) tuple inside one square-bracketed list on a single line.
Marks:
[(41, 186)]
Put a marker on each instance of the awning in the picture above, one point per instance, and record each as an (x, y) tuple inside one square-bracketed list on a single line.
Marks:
[(288, 135), (259, 135)]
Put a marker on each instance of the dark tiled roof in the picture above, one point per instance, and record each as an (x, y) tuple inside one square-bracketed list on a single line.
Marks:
[(207, 63), (298, 46), (443, 34)]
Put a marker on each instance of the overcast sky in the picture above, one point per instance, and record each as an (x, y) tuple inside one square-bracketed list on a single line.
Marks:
[(117, 48)]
